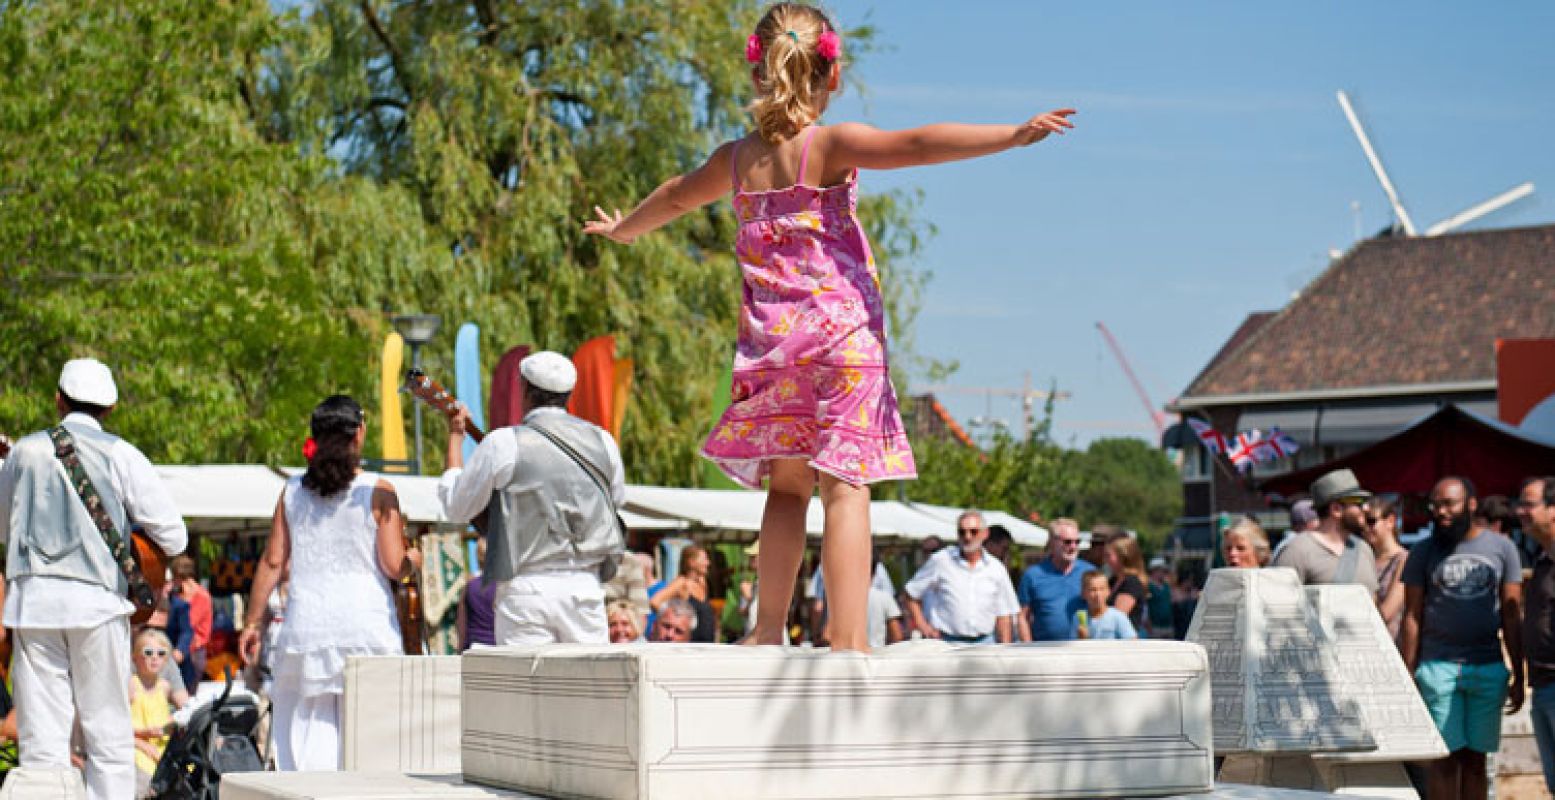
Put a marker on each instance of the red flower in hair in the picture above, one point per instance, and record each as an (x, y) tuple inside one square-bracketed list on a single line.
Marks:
[(753, 49), (828, 46), (309, 448)]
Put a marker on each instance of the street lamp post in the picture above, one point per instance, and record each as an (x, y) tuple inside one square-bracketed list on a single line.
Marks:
[(417, 330)]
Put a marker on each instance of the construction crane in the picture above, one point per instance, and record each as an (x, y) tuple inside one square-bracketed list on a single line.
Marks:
[(1027, 396), (1157, 417)]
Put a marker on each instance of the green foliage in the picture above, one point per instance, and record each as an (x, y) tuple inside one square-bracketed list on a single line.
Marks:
[(222, 202)]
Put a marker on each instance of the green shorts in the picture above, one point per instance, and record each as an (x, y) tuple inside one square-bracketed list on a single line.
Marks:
[(1465, 702)]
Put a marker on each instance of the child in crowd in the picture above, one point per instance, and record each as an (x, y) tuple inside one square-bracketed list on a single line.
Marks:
[(1099, 620), (811, 399), (1245, 545), (151, 700)]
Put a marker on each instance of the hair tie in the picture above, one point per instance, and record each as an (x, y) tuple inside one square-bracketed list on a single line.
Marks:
[(309, 449), (793, 36)]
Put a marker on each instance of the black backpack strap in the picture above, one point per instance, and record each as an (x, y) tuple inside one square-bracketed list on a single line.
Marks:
[(140, 592)]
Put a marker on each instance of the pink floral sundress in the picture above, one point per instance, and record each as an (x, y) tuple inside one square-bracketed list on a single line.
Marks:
[(810, 374)]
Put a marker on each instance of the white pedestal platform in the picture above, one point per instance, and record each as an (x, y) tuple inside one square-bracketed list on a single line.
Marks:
[(402, 714), (387, 786), (920, 720), (356, 786), (43, 784)]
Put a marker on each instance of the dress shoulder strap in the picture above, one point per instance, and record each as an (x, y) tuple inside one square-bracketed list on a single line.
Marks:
[(804, 154)]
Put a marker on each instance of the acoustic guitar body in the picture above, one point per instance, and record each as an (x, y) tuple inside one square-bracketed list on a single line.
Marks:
[(153, 565)]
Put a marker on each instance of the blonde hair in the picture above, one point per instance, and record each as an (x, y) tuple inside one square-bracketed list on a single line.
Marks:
[(790, 77), (1249, 529), (1130, 556), (626, 609), (155, 634)]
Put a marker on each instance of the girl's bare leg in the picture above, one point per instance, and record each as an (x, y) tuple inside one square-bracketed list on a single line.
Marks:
[(846, 557), (782, 541)]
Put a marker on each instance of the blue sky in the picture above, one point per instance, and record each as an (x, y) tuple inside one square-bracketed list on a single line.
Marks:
[(1210, 173)]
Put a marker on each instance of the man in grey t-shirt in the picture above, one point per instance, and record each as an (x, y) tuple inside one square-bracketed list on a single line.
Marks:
[(1462, 589), (1335, 551)]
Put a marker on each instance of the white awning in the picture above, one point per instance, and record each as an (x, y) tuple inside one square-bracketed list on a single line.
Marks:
[(1025, 534)]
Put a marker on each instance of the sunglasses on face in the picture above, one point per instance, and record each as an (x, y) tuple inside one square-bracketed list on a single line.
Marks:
[(150, 652), (1352, 501), (1069, 542), (968, 531)]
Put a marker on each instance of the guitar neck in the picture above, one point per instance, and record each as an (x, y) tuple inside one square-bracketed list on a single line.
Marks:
[(429, 391)]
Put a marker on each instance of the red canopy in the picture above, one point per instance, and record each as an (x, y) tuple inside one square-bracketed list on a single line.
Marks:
[(1494, 455)]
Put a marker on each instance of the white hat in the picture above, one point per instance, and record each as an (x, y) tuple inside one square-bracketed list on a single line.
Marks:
[(548, 371), (87, 380)]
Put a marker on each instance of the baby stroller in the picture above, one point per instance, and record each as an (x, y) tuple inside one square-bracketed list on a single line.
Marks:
[(220, 738)]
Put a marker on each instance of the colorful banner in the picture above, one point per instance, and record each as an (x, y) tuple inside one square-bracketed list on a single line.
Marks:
[(623, 395), (507, 389), (467, 379), (593, 398), (712, 476), (389, 413)]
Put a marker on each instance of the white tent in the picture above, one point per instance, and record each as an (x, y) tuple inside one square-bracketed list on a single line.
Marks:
[(242, 497)]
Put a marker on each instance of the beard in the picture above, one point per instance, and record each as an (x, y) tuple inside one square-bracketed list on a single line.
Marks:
[(1452, 533)]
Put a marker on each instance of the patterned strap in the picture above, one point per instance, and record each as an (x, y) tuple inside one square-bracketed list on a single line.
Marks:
[(65, 448), (804, 155)]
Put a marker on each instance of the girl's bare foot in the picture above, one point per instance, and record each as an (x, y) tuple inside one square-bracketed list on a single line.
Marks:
[(759, 637)]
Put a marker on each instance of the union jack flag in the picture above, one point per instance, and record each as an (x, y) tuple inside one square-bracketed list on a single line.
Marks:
[(1245, 452), (1212, 440)]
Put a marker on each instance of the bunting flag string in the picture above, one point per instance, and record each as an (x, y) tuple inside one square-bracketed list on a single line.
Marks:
[(1247, 447)]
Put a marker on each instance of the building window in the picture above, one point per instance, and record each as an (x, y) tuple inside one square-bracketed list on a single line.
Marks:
[(1196, 464)]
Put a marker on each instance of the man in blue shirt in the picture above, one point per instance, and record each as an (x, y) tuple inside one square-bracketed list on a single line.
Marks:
[(1050, 590)]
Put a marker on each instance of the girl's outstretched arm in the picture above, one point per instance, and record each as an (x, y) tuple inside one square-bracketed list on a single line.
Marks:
[(853, 144), (674, 198)]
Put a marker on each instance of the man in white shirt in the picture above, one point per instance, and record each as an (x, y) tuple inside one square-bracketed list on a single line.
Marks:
[(550, 521), (967, 592), (67, 603)]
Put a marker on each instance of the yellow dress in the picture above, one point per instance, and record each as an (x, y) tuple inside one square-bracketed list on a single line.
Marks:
[(150, 708)]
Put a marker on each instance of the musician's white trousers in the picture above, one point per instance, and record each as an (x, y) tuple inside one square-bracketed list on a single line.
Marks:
[(58, 674), (545, 607), (305, 731)]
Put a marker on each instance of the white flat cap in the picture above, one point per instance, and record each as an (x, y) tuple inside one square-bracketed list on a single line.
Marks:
[(552, 372), (87, 380)]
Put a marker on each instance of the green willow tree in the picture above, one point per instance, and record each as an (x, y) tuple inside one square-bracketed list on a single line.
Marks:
[(223, 201)]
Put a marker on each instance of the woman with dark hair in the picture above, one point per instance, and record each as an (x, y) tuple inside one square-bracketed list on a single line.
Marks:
[(348, 532), (1382, 535)]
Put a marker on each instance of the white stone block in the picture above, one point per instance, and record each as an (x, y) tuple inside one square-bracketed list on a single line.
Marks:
[(356, 786), (1277, 686), (402, 714), (1235, 791), (1349, 779), (1373, 672), (36, 783), (922, 719)]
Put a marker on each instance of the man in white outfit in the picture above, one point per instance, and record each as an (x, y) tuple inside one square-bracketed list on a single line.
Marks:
[(549, 487), (67, 603)]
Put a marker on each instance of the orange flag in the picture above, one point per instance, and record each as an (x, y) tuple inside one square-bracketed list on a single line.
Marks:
[(593, 398), (623, 393)]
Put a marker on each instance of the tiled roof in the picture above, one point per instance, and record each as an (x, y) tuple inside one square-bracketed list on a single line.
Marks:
[(1398, 312)]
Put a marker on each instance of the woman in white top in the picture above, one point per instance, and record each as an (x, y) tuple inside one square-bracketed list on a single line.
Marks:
[(340, 533)]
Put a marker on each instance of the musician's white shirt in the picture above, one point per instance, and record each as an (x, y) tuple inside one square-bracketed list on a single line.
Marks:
[(42, 601), (466, 491)]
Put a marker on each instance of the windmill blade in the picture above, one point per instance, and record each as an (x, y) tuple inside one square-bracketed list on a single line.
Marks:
[(1472, 213), (1376, 164)]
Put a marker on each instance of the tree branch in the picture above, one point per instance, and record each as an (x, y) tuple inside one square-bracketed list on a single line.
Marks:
[(395, 57)]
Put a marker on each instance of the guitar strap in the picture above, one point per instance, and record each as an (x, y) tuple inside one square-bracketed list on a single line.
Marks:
[(140, 592)]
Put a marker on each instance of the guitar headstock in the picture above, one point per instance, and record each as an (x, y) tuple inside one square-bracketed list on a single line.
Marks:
[(5, 445), (431, 392)]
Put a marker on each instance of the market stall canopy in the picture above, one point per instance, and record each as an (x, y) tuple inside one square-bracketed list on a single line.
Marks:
[(227, 497), (1025, 534), (1452, 441), (741, 510)]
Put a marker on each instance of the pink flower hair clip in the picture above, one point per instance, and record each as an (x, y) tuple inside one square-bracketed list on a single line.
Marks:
[(829, 46), (753, 49)]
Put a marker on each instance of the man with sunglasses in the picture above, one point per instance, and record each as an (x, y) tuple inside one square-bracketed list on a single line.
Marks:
[(963, 594), (1336, 551), (1050, 589)]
